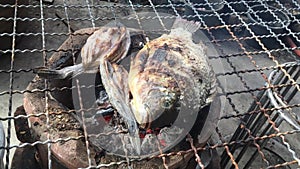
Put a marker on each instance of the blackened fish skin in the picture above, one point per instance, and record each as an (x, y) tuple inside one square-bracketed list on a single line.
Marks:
[(165, 68)]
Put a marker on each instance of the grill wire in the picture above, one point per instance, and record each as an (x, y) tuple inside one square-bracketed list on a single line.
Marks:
[(259, 84)]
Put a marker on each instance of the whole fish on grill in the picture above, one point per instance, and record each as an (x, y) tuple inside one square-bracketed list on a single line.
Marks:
[(168, 70), (114, 40)]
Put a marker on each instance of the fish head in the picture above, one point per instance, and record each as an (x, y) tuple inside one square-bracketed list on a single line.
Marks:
[(152, 102)]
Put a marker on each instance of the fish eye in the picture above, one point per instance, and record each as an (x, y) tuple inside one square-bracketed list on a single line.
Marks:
[(166, 102)]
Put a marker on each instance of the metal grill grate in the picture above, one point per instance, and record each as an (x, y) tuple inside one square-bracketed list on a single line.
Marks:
[(252, 45)]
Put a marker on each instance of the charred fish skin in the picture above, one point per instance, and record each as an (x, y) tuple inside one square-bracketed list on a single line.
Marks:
[(165, 68), (107, 43), (112, 39), (115, 81)]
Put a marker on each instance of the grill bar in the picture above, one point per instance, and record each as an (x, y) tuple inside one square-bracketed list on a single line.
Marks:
[(198, 159), (11, 85), (84, 125), (44, 54)]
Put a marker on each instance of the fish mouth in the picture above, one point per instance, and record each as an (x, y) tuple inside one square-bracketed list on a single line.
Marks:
[(143, 115), (147, 116)]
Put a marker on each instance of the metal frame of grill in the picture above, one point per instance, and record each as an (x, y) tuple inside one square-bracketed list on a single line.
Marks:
[(264, 82)]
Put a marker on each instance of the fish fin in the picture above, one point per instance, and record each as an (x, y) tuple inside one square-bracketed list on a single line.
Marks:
[(118, 89), (190, 26), (211, 96), (213, 90), (118, 76)]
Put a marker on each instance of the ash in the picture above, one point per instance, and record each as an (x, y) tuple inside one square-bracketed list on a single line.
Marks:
[(115, 140)]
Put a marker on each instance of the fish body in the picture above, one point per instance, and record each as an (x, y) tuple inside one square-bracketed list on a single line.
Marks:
[(166, 70), (110, 42)]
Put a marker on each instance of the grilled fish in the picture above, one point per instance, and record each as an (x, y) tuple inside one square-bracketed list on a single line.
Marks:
[(106, 46), (112, 39), (168, 70)]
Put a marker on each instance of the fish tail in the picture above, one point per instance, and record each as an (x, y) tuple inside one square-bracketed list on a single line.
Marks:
[(47, 73), (190, 26), (75, 70), (58, 74)]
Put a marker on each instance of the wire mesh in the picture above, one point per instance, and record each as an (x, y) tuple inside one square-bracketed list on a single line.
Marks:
[(256, 43)]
